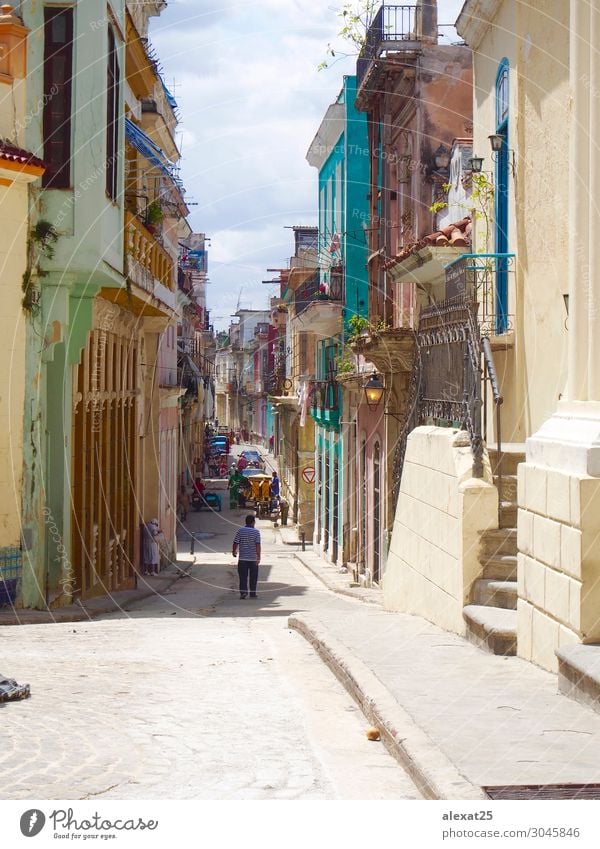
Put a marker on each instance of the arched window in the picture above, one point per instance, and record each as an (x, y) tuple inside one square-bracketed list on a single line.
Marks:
[(501, 196)]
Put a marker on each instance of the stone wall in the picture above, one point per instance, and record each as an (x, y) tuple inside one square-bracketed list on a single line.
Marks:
[(559, 562), (434, 552)]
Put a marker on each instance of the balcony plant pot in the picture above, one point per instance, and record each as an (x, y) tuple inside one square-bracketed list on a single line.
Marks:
[(154, 217)]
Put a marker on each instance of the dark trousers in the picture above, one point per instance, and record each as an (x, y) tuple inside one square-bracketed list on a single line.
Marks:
[(245, 568)]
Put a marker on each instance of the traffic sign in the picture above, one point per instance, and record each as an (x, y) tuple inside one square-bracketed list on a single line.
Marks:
[(308, 474)]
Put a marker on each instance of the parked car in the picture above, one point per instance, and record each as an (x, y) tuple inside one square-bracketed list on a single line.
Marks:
[(219, 445), (253, 458)]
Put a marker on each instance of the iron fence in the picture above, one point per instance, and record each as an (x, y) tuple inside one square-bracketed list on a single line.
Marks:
[(314, 290), (391, 23)]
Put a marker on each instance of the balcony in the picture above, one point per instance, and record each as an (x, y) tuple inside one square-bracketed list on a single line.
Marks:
[(393, 28), (486, 279), (325, 403), (149, 266), (318, 305)]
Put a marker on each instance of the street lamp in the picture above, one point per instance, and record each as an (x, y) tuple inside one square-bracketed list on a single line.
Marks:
[(374, 390), (476, 163), (496, 142)]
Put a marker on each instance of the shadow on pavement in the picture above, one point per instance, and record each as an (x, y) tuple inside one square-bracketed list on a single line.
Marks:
[(212, 590)]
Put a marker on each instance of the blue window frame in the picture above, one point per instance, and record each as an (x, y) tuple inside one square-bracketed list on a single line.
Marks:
[(501, 196)]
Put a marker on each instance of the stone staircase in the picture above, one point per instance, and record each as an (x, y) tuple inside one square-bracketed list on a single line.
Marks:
[(492, 617)]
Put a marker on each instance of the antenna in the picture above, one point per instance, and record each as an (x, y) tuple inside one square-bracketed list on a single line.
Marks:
[(239, 299)]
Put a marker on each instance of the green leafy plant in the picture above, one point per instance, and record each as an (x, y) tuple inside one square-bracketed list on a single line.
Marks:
[(41, 242), (355, 19), (345, 365), (483, 198), (440, 203), (357, 324), (154, 213)]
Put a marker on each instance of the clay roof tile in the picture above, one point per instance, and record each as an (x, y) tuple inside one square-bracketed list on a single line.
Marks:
[(10, 153)]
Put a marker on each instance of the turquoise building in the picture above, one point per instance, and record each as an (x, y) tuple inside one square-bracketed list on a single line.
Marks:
[(340, 152)]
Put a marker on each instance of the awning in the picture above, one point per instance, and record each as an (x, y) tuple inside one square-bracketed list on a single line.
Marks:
[(137, 138), (191, 365)]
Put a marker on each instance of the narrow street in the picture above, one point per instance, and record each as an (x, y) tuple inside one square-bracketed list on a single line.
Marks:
[(194, 694)]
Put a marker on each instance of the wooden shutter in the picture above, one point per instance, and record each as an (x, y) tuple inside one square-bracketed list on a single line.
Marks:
[(58, 77)]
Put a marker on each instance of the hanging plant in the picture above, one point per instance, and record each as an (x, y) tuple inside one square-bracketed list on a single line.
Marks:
[(154, 214), (40, 243)]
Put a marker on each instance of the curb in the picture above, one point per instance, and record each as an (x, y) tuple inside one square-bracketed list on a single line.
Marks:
[(347, 592), (435, 776)]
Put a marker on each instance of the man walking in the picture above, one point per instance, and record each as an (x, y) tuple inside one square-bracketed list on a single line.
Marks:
[(247, 540)]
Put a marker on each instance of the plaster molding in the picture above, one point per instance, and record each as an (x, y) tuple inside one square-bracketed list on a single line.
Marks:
[(475, 19)]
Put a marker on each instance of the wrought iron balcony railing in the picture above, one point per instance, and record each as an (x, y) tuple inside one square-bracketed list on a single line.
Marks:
[(315, 289), (483, 278), (391, 23), (325, 401)]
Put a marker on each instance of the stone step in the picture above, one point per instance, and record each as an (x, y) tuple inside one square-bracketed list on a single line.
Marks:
[(502, 567), (512, 454), (492, 593), (492, 629), (508, 515), (498, 541), (509, 488), (579, 673)]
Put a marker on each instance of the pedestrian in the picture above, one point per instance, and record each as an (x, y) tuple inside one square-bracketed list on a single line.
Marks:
[(184, 503), (242, 462), (271, 443), (151, 551), (247, 540), (275, 485)]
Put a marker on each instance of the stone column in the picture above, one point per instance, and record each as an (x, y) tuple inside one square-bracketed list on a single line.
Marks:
[(579, 162)]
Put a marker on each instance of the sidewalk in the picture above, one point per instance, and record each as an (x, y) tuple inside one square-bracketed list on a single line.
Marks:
[(338, 580), (457, 718), (110, 603)]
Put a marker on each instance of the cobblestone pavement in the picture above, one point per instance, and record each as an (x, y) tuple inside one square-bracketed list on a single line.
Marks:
[(195, 694)]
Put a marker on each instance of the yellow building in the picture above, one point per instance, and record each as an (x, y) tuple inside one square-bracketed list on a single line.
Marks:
[(539, 108), (18, 169)]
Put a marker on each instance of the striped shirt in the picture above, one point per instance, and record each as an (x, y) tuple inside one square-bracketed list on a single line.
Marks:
[(247, 538)]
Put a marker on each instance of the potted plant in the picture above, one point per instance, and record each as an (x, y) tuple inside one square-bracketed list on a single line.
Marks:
[(154, 216)]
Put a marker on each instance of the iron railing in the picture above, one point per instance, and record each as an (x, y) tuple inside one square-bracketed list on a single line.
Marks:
[(314, 290), (489, 374), (325, 395), (391, 23), (449, 351), (484, 278), (454, 361)]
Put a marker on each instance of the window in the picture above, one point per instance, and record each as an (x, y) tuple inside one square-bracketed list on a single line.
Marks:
[(58, 77), (112, 118), (501, 197), (502, 92)]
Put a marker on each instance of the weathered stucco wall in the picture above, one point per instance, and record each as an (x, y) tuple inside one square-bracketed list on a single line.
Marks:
[(13, 226), (433, 558), (531, 381)]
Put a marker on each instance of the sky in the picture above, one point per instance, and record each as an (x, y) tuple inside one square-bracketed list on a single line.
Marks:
[(251, 98)]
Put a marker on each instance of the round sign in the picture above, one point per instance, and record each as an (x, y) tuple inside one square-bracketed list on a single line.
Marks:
[(308, 474)]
